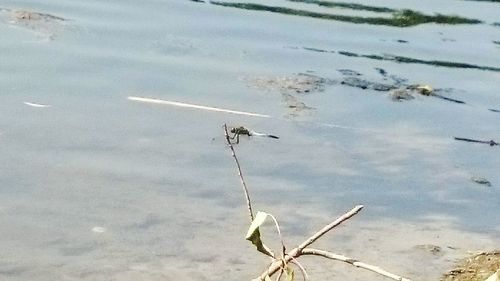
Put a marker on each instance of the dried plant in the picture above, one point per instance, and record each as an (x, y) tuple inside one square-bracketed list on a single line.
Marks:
[(282, 263)]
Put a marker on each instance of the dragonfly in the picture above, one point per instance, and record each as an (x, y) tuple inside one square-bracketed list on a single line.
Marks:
[(242, 131), (490, 142)]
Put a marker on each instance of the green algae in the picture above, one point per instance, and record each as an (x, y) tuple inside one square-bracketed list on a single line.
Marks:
[(402, 59), (345, 5), (402, 18)]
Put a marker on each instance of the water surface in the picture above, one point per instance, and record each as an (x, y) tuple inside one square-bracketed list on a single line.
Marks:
[(97, 187)]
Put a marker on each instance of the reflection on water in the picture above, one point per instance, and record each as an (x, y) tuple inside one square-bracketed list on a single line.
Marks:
[(97, 187)]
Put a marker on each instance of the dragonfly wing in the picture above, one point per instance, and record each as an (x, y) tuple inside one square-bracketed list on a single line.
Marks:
[(263, 135)]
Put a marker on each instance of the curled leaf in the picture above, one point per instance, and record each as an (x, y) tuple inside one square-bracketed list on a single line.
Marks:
[(253, 234)]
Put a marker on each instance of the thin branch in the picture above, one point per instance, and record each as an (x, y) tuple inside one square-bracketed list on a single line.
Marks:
[(283, 248), (353, 262), (302, 269), (240, 174), (329, 227), (279, 275), (296, 252)]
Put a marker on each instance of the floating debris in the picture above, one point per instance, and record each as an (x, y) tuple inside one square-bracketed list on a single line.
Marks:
[(45, 24), (401, 94), (490, 142), (34, 16), (408, 92), (381, 71), (432, 249), (425, 90), (98, 229), (36, 104), (301, 83), (295, 106), (365, 84), (291, 86), (480, 180), (348, 72), (181, 104)]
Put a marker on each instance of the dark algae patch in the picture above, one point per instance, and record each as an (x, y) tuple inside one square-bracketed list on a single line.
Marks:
[(411, 18), (400, 18), (402, 59), (344, 5)]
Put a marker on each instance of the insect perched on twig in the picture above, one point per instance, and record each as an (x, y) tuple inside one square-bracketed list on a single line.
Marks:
[(237, 131)]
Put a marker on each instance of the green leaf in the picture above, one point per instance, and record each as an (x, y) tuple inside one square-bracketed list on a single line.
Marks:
[(259, 219), (290, 274), (253, 234)]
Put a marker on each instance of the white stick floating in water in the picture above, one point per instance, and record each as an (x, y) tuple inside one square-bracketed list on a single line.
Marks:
[(181, 104), (36, 104)]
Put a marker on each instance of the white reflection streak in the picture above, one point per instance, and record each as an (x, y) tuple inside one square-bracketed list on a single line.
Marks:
[(209, 108), (36, 104)]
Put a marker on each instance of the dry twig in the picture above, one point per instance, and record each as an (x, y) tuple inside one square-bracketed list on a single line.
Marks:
[(353, 262), (297, 252), (240, 174)]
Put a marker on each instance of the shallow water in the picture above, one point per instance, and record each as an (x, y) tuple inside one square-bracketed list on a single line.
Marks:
[(98, 187)]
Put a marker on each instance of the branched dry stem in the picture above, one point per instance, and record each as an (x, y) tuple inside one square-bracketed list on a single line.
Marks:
[(297, 252), (279, 264)]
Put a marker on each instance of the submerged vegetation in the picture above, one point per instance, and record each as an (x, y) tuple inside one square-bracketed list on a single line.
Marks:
[(399, 18), (345, 5), (403, 59)]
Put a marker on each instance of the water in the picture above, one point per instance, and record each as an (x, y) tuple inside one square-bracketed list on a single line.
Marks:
[(98, 187)]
